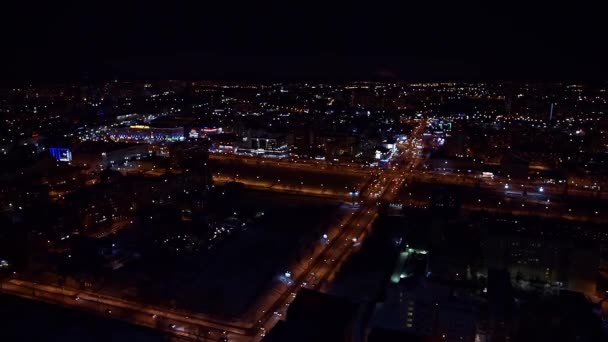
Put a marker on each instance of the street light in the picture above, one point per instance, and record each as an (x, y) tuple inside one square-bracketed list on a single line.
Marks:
[(353, 194)]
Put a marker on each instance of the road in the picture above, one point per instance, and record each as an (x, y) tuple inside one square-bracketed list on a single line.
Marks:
[(302, 164), (343, 239), (312, 272), (257, 184), (499, 183), (185, 325)]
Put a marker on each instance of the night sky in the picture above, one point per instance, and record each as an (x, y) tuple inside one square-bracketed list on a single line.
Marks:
[(55, 41)]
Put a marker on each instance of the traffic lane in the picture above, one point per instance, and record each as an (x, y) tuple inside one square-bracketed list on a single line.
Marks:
[(499, 184), (298, 279), (73, 297), (174, 327), (293, 179), (317, 166), (333, 261), (282, 187), (362, 220), (268, 316)]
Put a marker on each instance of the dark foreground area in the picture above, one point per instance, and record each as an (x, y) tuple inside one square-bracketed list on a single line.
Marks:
[(26, 320)]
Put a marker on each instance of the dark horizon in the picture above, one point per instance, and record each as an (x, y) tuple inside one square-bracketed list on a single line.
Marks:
[(139, 40), (306, 68)]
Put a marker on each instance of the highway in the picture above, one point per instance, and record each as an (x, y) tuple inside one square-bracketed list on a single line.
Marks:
[(314, 271), (498, 184), (185, 325), (309, 164), (342, 239), (257, 184)]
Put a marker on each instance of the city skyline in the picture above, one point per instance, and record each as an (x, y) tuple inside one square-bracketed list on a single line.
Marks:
[(297, 172)]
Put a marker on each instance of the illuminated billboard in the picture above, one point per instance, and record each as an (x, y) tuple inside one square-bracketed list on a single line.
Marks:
[(61, 153), (196, 133)]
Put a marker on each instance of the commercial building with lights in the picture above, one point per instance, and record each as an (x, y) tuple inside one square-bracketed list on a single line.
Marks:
[(144, 133), (264, 146), (205, 132), (98, 155)]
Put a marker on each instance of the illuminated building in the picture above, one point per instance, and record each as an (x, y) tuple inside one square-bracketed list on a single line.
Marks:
[(339, 144), (61, 153), (223, 143), (201, 133), (384, 153), (145, 133), (123, 154), (429, 308), (99, 155), (193, 134), (262, 146), (421, 305), (542, 263)]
